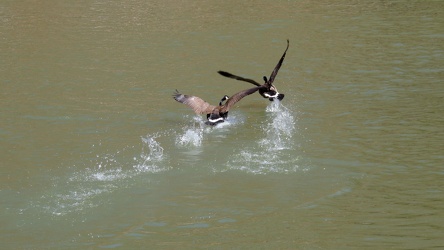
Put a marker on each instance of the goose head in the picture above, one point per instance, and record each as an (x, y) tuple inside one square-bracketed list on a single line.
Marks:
[(271, 92), (223, 99)]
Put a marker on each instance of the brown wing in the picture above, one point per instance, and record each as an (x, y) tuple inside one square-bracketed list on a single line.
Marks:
[(278, 66), (197, 104), (237, 97), (239, 78)]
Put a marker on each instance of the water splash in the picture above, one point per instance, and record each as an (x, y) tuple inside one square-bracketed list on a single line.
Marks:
[(107, 173), (275, 152), (152, 154), (233, 119), (193, 134), (190, 137), (279, 127)]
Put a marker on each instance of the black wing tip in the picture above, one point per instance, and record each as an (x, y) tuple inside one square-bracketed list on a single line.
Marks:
[(239, 78), (176, 95), (224, 73)]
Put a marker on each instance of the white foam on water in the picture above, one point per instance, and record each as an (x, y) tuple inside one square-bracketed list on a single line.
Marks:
[(193, 134)]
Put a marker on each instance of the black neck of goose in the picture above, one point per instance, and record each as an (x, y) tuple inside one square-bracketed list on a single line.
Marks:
[(223, 99)]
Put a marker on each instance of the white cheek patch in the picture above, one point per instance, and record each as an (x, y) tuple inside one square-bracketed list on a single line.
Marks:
[(271, 96)]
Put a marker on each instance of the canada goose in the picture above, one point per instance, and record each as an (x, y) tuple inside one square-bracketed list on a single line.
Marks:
[(270, 91), (215, 114)]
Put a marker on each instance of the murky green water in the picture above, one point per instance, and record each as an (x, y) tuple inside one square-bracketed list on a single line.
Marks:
[(96, 154)]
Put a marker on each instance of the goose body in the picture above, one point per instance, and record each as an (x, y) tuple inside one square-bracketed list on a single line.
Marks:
[(268, 91), (215, 114)]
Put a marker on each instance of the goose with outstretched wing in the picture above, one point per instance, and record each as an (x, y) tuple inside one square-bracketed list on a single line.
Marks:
[(215, 114), (269, 91)]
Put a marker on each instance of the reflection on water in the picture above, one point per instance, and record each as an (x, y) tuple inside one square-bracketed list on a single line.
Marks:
[(96, 154)]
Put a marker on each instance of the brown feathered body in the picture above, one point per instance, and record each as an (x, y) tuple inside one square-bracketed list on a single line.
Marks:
[(215, 114)]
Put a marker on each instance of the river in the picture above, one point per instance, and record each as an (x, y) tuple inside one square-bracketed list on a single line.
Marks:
[(96, 154)]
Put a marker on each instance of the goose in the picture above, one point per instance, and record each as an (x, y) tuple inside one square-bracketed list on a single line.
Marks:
[(215, 114), (269, 91)]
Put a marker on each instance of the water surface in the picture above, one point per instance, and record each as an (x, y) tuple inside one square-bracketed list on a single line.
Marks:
[(96, 154)]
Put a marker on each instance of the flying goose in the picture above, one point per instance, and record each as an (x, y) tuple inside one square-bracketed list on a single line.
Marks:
[(215, 114), (269, 91)]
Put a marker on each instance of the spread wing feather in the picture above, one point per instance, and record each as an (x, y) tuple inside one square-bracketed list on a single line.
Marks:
[(198, 105), (239, 78), (278, 66), (238, 96)]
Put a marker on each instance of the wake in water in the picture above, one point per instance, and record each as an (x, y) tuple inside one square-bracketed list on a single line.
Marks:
[(275, 152), (107, 173)]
